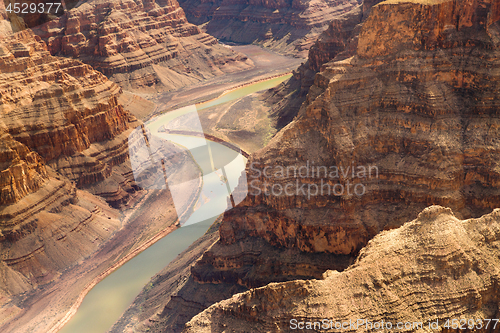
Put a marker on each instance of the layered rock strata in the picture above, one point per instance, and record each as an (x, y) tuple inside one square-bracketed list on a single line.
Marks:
[(23, 171), (433, 268), (62, 109), (60, 127), (409, 120), (338, 41), (145, 44), (285, 26), (403, 130)]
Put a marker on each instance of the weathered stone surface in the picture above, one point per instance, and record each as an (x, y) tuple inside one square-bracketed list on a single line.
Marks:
[(140, 44), (21, 170), (60, 126), (435, 267), (62, 109), (285, 26), (429, 130)]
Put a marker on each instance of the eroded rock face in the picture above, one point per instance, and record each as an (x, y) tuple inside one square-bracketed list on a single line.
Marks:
[(429, 130), (60, 127), (435, 267), (22, 170), (339, 41), (62, 109), (285, 26), (140, 44)]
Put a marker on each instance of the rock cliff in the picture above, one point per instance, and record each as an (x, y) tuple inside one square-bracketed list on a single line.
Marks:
[(285, 26), (435, 267), (23, 171), (60, 127), (338, 41), (61, 109), (139, 44), (408, 129), (404, 116)]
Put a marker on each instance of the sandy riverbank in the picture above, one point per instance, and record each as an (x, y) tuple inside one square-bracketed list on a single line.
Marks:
[(51, 306), (130, 255)]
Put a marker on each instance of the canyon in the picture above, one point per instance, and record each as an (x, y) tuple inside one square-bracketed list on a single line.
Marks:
[(67, 191), (410, 87), (70, 209), (61, 128)]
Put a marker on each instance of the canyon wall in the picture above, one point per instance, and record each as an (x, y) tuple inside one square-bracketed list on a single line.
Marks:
[(423, 121), (338, 41), (145, 45), (61, 128), (63, 110), (405, 109), (289, 27)]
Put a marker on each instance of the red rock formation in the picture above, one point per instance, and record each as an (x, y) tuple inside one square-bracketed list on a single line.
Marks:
[(427, 128), (145, 44), (285, 26), (435, 267)]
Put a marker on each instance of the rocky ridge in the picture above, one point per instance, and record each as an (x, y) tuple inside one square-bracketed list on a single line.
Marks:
[(419, 108), (435, 267), (140, 44), (289, 27)]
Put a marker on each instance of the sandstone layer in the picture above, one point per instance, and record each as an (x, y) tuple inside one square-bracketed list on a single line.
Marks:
[(140, 44), (405, 107), (285, 26), (435, 267)]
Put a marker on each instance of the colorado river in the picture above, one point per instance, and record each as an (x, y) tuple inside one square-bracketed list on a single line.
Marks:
[(104, 304)]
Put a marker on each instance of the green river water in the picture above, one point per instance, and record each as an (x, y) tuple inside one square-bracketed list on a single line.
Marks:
[(107, 301)]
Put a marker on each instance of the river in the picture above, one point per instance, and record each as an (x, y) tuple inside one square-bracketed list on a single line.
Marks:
[(221, 168)]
